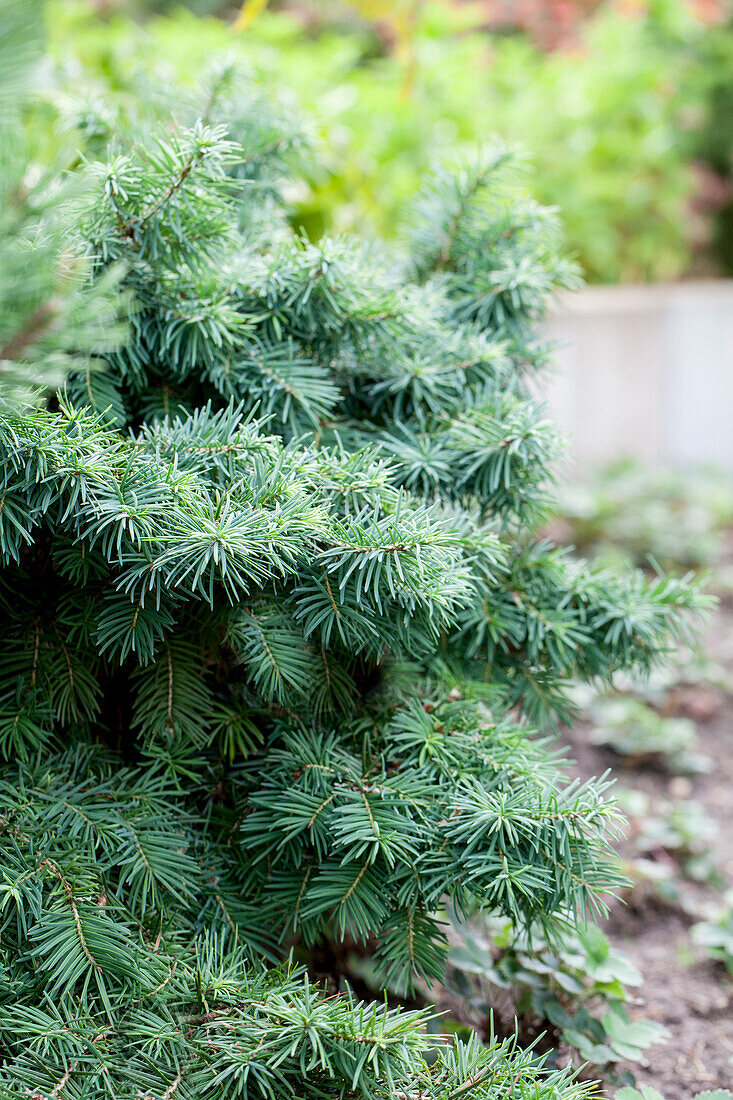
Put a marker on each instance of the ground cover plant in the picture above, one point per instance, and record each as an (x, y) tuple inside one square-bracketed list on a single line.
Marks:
[(675, 518), (279, 627), (716, 935), (573, 998)]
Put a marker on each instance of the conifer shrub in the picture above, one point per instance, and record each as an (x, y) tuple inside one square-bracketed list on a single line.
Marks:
[(279, 633)]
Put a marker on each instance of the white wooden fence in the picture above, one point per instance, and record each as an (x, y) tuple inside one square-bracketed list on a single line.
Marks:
[(646, 371)]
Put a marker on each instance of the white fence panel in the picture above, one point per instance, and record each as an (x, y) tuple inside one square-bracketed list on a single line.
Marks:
[(647, 372)]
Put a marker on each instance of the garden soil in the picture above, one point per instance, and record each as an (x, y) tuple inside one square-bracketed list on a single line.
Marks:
[(688, 993)]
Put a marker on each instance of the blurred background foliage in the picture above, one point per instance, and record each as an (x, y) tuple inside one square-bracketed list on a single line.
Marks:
[(625, 105)]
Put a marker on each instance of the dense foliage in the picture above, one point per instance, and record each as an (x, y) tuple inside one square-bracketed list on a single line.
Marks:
[(276, 620), (613, 123)]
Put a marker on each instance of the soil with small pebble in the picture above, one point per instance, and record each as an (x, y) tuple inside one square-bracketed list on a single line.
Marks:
[(691, 995)]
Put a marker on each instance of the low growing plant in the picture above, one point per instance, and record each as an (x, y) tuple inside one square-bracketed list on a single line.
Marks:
[(641, 734), (672, 517), (572, 994), (672, 830), (716, 936), (646, 1092)]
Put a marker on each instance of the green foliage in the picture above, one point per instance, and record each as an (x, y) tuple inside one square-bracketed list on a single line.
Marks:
[(676, 518), (277, 623), (668, 829), (575, 990), (644, 718), (637, 731), (648, 1093), (613, 123)]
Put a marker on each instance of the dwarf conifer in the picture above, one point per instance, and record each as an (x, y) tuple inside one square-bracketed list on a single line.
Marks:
[(278, 629)]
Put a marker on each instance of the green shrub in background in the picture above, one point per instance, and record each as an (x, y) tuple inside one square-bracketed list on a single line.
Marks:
[(610, 123)]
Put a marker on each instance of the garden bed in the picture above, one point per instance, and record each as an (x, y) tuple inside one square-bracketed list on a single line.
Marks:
[(684, 990)]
